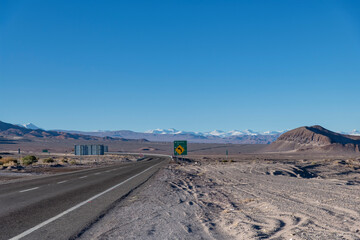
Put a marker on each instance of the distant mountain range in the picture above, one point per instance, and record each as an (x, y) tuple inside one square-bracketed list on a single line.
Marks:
[(30, 131), (217, 136), (167, 135), (217, 133)]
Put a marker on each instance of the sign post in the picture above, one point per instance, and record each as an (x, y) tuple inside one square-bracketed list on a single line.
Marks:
[(180, 148)]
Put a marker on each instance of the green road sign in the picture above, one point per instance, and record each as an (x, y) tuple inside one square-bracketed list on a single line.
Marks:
[(180, 147)]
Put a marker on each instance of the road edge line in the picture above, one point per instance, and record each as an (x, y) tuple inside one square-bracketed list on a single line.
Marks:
[(40, 225)]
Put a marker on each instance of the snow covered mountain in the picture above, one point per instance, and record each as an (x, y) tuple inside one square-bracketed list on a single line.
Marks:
[(216, 133), (29, 126), (164, 131), (354, 132), (247, 136)]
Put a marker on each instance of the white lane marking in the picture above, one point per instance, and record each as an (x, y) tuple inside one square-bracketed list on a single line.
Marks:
[(83, 177), (62, 181), (26, 190), (97, 173), (111, 170), (27, 232)]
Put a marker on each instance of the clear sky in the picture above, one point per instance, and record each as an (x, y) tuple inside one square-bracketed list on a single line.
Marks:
[(187, 64)]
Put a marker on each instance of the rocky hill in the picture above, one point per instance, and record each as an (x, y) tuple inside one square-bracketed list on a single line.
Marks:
[(314, 138)]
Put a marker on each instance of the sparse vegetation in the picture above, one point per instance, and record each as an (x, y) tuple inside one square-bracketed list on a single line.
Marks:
[(72, 162), (64, 160), (28, 160), (48, 160), (8, 161)]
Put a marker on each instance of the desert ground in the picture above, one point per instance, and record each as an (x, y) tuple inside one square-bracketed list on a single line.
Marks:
[(246, 197), (207, 195), (66, 146), (62, 151)]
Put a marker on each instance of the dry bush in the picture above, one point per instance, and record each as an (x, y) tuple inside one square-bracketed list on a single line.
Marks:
[(48, 160), (8, 161), (64, 160), (28, 160)]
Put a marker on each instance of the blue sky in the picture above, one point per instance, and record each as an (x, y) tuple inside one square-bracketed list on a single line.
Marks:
[(191, 65)]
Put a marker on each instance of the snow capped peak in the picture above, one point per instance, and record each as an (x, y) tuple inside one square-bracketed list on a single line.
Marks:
[(355, 132), (273, 132), (29, 126), (164, 131), (235, 133), (215, 133), (155, 131), (250, 132)]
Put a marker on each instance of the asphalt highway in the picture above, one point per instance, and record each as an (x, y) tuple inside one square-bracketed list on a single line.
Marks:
[(63, 205)]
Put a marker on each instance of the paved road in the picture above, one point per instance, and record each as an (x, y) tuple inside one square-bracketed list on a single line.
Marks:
[(61, 206)]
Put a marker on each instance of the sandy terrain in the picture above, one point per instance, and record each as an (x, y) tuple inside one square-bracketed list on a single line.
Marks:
[(289, 198)]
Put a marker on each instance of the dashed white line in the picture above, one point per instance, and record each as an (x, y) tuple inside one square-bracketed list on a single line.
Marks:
[(97, 173), (30, 189), (62, 181), (83, 177), (27, 232)]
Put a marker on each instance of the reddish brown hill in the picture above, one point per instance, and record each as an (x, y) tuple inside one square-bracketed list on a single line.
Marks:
[(314, 138), (10, 131)]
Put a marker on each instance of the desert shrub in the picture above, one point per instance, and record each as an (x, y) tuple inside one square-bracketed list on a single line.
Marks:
[(63, 160), (8, 161), (28, 160), (48, 160), (72, 162), (224, 161)]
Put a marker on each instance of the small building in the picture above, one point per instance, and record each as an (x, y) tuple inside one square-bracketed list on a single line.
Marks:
[(90, 149)]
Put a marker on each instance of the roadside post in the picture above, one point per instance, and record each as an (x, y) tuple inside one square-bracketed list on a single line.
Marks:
[(180, 148), (19, 153)]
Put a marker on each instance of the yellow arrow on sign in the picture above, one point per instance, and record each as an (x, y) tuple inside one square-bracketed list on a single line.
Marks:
[(179, 149)]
